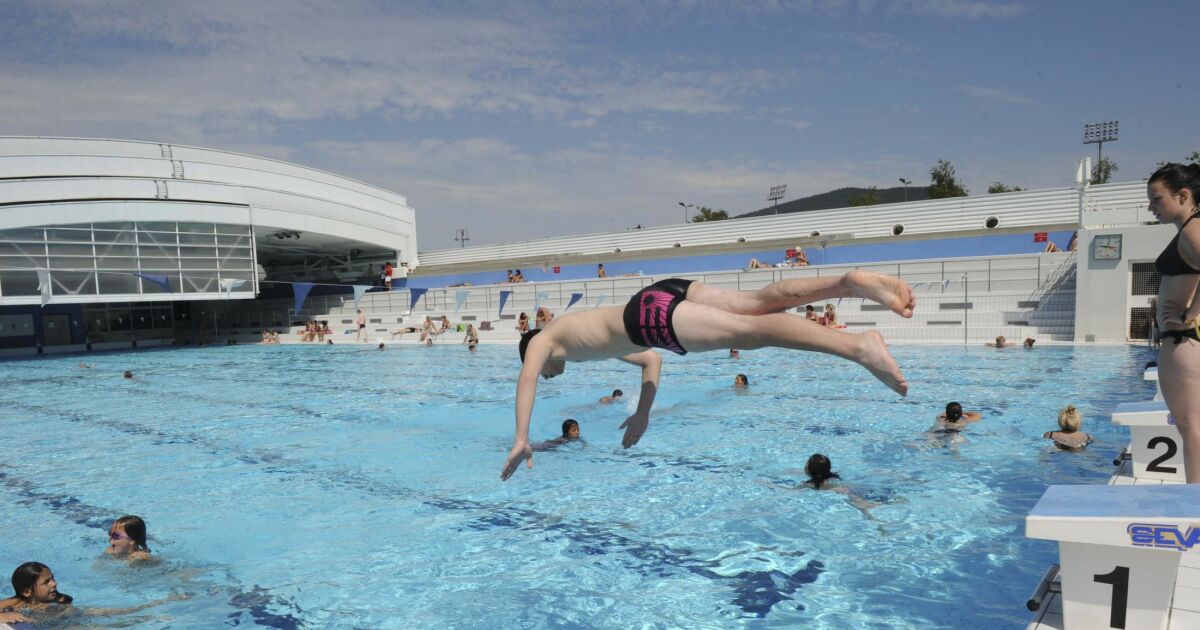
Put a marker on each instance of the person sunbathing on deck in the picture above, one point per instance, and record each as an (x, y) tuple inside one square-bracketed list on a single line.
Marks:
[(684, 315)]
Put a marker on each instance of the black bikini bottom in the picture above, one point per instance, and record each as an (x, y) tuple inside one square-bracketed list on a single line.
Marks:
[(1180, 335)]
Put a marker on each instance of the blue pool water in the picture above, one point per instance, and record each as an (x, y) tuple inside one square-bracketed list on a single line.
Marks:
[(341, 487)]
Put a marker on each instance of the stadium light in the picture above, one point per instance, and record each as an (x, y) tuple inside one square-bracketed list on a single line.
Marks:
[(776, 194), (906, 182), (1098, 134)]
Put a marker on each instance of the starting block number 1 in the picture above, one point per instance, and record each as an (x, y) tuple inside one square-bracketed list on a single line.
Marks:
[(1119, 579), (1106, 586)]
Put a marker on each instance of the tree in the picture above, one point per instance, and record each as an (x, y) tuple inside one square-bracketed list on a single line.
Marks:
[(708, 214), (944, 183), (1001, 187), (1194, 157), (1103, 171), (868, 198)]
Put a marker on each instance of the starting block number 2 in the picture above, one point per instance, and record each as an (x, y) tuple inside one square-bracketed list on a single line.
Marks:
[(1155, 464)]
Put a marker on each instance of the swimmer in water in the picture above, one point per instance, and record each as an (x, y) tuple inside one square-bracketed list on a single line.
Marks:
[(34, 590), (616, 396), (1068, 436), (821, 476), (954, 419), (570, 432), (683, 315), (37, 598), (127, 539)]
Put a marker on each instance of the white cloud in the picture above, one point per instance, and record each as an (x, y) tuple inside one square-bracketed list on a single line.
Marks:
[(969, 9), (798, 125), (994, 94), (503, 193)]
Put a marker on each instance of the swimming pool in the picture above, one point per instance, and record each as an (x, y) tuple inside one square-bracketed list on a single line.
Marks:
[(320, 486)]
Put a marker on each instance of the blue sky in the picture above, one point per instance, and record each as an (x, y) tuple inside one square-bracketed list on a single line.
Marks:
[(523, 120)]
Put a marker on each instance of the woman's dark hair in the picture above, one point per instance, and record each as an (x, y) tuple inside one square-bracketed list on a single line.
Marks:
[(953, 412), (135, 528), (567, 424), (617, 392), (819, 470), (26, 576), (1176, 177), (744, 378)]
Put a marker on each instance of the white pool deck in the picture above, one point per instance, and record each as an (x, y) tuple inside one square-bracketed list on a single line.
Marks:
[(1185, 603)]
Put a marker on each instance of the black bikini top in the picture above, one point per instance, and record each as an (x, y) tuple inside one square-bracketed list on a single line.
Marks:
[(1170, 263)]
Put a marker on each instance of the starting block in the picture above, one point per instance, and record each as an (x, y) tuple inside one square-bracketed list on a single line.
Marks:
[(1151, 374), (1120, 549), (1155, 443)]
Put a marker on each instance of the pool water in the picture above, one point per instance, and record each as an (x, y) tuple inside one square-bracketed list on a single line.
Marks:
[(344, 487)]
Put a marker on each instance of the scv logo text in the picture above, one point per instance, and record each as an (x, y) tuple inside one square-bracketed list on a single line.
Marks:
[(1163, 536)]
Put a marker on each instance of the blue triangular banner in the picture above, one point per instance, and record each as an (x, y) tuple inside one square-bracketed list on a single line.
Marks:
[(415, 296), (359, 290), (504, 295), (575, 297), (300, 290), (161, 281), (460, 296)]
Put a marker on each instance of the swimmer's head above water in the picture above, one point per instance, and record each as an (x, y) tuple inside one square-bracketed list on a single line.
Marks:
[(34, 583), (954, 412), (553, 367), (819, 470), (127, 536), (570, 429)]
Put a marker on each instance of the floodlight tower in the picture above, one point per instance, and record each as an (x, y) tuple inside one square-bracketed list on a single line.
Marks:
[(776, 194), (906, 182), (461, 236), (1098, 134)]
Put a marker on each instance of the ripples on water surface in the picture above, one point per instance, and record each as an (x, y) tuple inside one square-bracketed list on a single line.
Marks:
[(338, 486)]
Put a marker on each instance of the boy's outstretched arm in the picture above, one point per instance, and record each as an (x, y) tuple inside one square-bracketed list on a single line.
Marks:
[(636, 424), (536, 355)]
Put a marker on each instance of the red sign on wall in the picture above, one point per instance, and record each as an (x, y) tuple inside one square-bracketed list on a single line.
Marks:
[(557, 269), (1039, 237)]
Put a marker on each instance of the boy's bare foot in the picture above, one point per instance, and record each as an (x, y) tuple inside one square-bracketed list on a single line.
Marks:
[(889, 291), (874, 356)]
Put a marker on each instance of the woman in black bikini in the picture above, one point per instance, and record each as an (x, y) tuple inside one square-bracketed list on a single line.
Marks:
[(1173, 191)]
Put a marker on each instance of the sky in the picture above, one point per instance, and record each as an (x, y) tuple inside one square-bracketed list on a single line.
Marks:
[(521, 120)]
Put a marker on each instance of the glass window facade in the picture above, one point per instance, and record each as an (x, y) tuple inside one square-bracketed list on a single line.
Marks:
[(105, 258)]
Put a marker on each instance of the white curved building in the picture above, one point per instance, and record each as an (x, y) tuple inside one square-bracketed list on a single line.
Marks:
[(110, 220)]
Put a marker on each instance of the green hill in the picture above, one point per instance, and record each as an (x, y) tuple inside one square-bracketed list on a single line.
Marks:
[(840, 198)]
